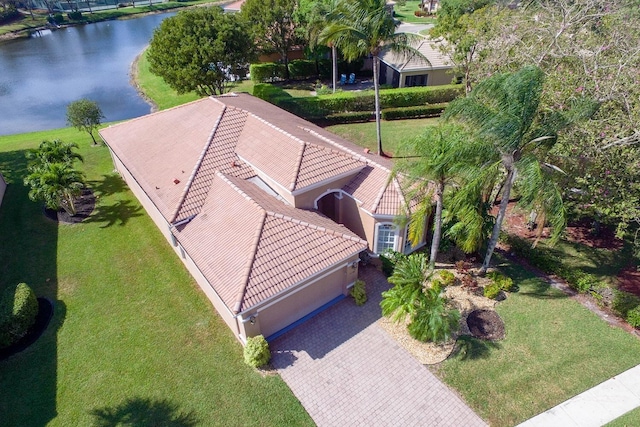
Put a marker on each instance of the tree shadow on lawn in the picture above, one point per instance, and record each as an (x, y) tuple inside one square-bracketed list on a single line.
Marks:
[(110, 184), (470, 348), (142, 412), (28, 249), (529, 282), (118, 213)]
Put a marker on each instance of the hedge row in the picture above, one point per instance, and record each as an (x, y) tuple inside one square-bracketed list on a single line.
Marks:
[(300, 69), (418, 112), (18, 310), (9, 14), (322, 106)]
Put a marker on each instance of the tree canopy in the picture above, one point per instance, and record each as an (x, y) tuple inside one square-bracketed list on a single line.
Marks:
[(85, 115), (201, 50)]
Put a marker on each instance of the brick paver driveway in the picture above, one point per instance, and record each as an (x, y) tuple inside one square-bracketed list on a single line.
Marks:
[(347, 371)]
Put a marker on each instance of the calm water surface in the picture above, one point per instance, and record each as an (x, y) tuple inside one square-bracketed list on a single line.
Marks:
[(41, 75)]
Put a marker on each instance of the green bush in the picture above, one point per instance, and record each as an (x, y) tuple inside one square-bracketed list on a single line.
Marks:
[(353, 117), (58, 18), (18, 311), (389, 259), (267, 91), (583, 282), (9, 14), (76, 16), (302, 69), (359, 292), (624, 302), (633, 317), (505, 283), (267, 72), (417, 112), (447, 278), (491, 291), (256, 352)]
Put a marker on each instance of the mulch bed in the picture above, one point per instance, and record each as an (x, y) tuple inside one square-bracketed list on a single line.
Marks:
[(486, 325), (45, 313), (629, 280), (85, 204)]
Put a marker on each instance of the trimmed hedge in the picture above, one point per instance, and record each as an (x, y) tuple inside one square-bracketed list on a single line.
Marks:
[(417, 112), (346, 118), (267, 72), (18, 311), (256, 352)]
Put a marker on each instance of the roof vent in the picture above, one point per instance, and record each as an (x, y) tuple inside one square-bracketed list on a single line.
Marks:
[(176, 181)]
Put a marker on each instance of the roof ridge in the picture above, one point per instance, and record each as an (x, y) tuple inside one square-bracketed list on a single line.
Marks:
[(284, 132), (135, 119), (246, 275), (194, 172), (239, 190), (296, 175), (398, 188), (381, 192), (345, 149), (319, 228)]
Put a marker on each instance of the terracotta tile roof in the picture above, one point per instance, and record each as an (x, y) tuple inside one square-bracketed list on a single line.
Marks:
[(426, 47), (320, 163), (262, 246), (161, 149)]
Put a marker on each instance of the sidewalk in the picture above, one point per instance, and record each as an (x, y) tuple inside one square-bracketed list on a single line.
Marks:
[(596, 406)]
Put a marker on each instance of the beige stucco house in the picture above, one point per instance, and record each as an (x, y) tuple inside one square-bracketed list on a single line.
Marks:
[(400, 70), (267, 211)]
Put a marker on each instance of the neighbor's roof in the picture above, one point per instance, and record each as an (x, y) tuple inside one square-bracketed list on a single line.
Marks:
[(413, 62), (193, 161)]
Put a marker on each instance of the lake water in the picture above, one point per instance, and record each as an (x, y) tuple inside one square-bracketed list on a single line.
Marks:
[(40, 76)]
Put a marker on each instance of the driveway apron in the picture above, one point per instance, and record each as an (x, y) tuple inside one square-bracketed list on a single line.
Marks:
[(347, 371)]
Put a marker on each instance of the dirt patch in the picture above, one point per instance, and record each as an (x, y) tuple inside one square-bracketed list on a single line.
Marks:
[(629, 280), (85, 204), (486, 325)]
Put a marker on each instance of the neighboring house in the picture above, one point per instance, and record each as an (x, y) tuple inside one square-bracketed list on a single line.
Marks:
[(400, 70), (3, 187), (268, 212)]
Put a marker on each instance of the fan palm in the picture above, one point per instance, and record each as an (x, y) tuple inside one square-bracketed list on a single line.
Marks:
[(504, 113), (366, 27)]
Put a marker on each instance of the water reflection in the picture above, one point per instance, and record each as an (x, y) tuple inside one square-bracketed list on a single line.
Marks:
[(41, 75)]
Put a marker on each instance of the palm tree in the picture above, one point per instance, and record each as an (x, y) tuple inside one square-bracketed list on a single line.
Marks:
[(504, 113), (57, 184), (315, 27), (432, 320), (55, 151), (428, 163), (366, 27), (408, 277)]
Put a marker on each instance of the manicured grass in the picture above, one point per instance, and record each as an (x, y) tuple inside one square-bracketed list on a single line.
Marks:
[(554, 349), (406, 13), (132, 337), (394, 131), (630, 419)]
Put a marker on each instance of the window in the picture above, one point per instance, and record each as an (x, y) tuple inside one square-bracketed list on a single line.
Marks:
[(420, 80), (387, 236)]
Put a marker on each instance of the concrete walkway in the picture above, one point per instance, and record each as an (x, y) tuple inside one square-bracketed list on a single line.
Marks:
[(347, 371), (596, 406)]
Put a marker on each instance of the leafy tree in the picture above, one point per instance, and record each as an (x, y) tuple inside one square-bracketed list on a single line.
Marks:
[(504, 113), (57, 184), (312, 16), (365, 27), (429, 163), (200, 50), (273, 26), (85, 115)]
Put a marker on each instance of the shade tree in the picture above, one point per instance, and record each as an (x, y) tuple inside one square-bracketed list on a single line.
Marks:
[(85, 115)]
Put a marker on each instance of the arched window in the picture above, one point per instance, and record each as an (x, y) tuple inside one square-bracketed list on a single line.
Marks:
[(386, 237)]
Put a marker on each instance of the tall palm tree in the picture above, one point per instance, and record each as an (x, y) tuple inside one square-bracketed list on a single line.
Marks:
[(504, 112), (57, 184), (315, 28), (428, 163), (366, 27)]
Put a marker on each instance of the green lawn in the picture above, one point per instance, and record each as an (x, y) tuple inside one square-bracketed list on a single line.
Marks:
[(132, 335), (394, 131), (554, 349), (630, 419), (405, 13)]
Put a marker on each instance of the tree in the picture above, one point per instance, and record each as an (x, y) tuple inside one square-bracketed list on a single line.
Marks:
[(200, 50), (85, 115), (273, 26), (504, 113), (428, 163), (57, 184), (366, 27), (55, 151)]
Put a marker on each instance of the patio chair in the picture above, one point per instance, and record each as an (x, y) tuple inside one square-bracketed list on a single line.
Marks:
[(352, 79), (343, 79)]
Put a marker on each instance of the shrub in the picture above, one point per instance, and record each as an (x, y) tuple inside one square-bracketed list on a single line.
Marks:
[(76, 16), (267, 91), (491, 291), (256, 352), (633, 317), (389, 259), (624, 302), (302, 69), (359, 292), (447, 278), (353, 117), (432, 320), (267, 72), (9, 14), (584, 282), (18, 310), (505, 283), (420, 111), (58, 18)]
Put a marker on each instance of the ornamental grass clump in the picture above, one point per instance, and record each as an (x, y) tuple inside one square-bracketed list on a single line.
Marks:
[(256, 352)]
